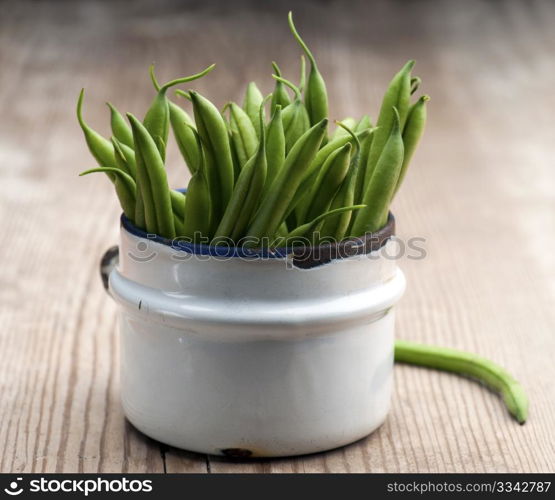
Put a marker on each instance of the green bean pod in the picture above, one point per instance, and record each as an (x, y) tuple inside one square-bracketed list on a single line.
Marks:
[(140, 216), (246, 139), (213, 134), (302, 197), (329, 181), (101, 148), (415, 82), (280, 96), (397, 96), (414, 128), (379, 192), (338, 226), (198, 206), (340, 131), (120, 128), (366, 144), (304, 229), (153, 181), (125, 157), (251, 105), (274, 205), (125, 188), (275, 147), (364, 123), (183, 128), (470, 365), (157, 118), (178, 203), (316, 97), (246, 194), (294, 117)]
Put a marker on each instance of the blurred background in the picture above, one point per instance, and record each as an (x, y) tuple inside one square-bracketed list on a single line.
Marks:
[(481, 191)]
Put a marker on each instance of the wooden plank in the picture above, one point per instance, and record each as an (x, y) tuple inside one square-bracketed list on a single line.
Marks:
[(480, 192)]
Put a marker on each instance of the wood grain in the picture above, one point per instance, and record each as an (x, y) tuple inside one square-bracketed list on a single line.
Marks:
[(480, 192)]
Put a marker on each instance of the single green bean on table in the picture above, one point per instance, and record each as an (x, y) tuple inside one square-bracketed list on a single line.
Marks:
[(471, 365)]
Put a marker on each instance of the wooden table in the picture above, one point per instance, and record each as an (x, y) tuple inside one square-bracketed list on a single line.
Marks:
[(480, 191)]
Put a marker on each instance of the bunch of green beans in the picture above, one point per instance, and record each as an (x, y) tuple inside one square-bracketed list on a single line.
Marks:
[(274, 182), (260, 179)]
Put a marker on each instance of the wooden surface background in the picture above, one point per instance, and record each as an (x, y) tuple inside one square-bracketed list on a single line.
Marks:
[(480, 191)]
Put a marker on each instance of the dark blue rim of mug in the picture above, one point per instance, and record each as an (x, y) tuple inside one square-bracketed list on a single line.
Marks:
[(265, 253)]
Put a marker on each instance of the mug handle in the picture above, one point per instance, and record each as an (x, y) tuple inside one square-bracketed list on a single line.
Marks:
[(109, 260)]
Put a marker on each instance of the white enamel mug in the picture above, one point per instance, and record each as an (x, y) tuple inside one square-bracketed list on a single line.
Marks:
[(250, 355)]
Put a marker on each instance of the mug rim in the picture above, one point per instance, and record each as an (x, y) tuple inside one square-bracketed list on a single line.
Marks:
[(303, 257)]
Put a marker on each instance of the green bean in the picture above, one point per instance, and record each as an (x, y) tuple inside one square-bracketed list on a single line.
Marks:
[(364, 123), (275, 147), (345, 195), (280, 97), (379, 192), (153, 181), (316, 98), (157, 118), (125, 157), (125, 188), (198, 206), (246, 194), (178, 203), (398, 96), (301, 200), (310, 226), (414, 128), (302, 79), (246, 138), (467, 364), (183, 125), (328, 182), (340, 131), (294, 117), (274, 205), (120, 128), (217, 153), (415, 82), (101, 148), (251, 105), (140, 217)]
